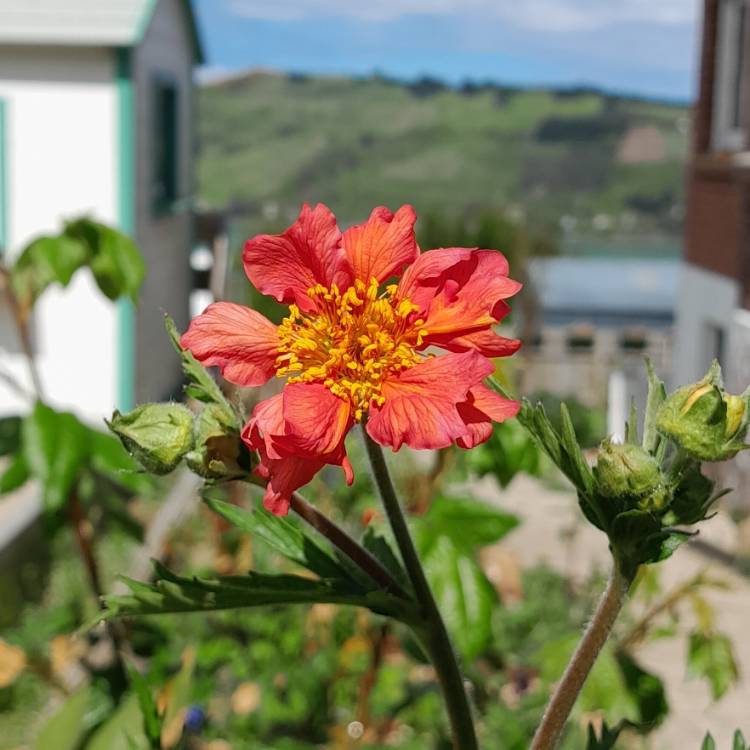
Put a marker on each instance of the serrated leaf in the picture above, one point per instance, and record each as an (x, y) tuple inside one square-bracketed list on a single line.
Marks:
[(284, 535), (55, 446), (201, 385), (464, 595), (467, 522), (114, 258), (172, 594), (711, 656)]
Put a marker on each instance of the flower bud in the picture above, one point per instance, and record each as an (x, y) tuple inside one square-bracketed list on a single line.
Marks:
[(704, 420), (218, 451), (630, 474), (156, 435)]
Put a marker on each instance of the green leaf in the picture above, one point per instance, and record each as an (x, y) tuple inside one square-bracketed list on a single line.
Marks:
[(464, 595), (509, 451), (711, 656), (15, 475), (468, 523), (149, 711), (156, 435), (55, 446), (646, 690), (739, 741), (607, 737), (656, 395), (631, 426), (115, 260), (121, 731), (378, 546), (201, 385), (708, 742), (10, 435), (45, 261), (110, 459), (67, 727), (284, 535), (172, 593), (579, 470)]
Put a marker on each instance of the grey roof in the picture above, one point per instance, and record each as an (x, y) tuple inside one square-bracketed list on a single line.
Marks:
[(109, 23), (606, 289)]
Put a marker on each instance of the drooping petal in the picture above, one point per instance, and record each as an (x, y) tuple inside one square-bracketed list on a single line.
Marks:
[(486, 342), (280, 447), (383, 245), (286, 265), (316, 420), (420, 406), (458, 290), (240, 341), (482, 407)]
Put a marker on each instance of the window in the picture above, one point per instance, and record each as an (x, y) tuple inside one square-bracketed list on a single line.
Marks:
[(165, 140), (728, 129), (715, 345)]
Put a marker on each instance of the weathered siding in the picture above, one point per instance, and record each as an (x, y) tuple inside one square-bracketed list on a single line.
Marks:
[(165, 240), (61, 113)]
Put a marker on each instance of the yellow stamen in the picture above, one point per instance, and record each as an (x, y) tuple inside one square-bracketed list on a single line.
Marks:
[(354, 340)]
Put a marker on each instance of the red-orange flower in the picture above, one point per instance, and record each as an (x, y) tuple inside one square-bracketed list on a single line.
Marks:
[(353, 349)]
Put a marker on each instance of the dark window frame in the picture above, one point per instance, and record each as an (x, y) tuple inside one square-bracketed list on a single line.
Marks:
[(165, 143)]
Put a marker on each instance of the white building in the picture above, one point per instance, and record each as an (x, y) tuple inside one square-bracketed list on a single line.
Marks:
[(96, 113)]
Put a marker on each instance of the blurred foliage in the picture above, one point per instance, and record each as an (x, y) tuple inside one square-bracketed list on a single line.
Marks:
[(589, 423), (355, 143)]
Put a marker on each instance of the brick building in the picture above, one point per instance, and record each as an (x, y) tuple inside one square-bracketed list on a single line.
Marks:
[(714, 296)]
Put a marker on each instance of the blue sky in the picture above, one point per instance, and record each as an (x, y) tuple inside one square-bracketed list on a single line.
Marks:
[(645, 47)]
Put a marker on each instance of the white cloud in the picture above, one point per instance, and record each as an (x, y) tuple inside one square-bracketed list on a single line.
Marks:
[(537, 15)]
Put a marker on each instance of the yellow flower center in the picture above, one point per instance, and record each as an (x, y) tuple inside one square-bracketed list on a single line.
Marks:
[(351, 343)]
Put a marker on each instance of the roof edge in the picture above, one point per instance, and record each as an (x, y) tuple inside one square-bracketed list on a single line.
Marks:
[(195, 37)]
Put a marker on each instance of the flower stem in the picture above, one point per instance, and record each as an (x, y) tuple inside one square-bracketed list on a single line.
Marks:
[(599, 628), (434, 635)]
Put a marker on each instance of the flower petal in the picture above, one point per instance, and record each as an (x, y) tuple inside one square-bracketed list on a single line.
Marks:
[(483, 407), (280, 459), (316, 420), (486, 342), (421, 403), (459, 290), (383, 245), (240, 341), (286, 265)]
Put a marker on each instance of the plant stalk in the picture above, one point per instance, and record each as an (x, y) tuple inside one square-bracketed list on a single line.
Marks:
[(566, 693), (434, 634)]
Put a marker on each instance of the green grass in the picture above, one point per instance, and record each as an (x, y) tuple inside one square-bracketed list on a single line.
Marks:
[(272, 140)]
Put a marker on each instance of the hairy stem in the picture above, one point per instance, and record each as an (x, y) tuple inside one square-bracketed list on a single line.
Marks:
[(351, 548), (599, 628), (434, 634)]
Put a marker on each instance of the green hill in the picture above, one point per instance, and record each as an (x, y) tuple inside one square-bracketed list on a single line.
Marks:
[(611, 166)]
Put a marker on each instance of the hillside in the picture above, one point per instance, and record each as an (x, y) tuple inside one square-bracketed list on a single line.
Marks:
[(590, 164)]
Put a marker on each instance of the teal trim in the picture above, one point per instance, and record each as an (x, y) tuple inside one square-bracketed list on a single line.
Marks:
[(126, 215), (148, 13), (4, 233)]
